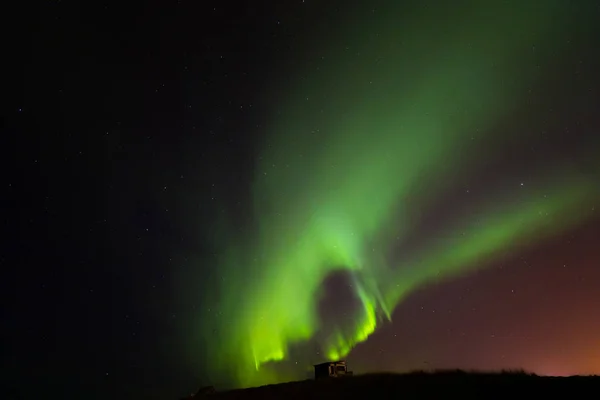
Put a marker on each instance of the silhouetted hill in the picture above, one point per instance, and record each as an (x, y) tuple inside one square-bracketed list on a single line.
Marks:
[(424, 385)]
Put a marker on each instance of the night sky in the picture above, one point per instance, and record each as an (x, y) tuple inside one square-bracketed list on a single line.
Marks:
[(213, 193)]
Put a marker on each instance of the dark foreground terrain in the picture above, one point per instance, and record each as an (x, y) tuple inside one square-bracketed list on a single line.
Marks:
[(421, 385)]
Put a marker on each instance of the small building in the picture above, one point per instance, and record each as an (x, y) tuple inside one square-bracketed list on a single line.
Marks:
[(332, 369)]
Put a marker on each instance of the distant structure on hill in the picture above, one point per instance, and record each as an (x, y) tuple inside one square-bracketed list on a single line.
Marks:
[(332, 369)]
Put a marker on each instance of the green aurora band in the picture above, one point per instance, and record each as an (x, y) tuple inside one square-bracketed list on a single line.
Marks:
[(351, 145)]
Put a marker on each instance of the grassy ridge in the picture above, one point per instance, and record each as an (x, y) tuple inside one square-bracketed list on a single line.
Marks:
[(425, 385)]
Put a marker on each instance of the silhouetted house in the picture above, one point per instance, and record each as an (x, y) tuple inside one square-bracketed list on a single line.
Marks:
[(331, 369)]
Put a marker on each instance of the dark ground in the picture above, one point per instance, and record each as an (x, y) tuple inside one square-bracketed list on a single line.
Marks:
[(421, 385)]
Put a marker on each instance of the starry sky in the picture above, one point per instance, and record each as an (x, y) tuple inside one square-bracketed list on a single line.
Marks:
[(215, 193)]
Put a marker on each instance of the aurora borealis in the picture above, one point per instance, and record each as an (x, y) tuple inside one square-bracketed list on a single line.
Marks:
[(361, 149), (225, 193)]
